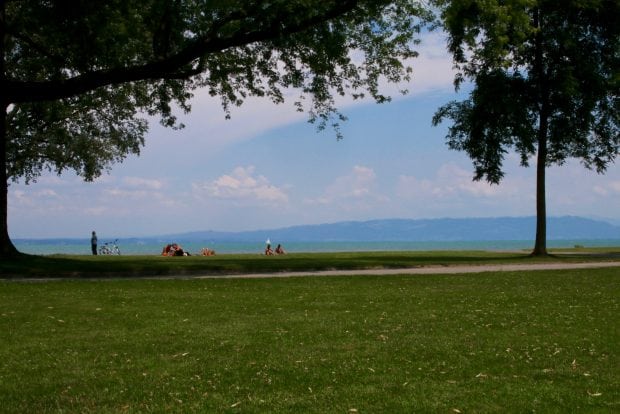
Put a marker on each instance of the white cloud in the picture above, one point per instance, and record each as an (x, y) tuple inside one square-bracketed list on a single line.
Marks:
[(46, 193), (452, 192), (610, 188), (136, 194), (36, 199), (20, 198), (450, 181), (460, 181), (575, 190), (63, 202), (242, 184), (433, 68)]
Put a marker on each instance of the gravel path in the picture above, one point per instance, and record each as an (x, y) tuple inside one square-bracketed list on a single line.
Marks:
[(429, 270)]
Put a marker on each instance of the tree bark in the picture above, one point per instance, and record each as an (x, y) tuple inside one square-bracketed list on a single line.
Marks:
[(7, 249), (540, 246)]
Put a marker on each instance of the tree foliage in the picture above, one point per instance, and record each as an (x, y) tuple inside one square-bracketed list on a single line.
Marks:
[(545, 81), (80, 75), (78, 78)]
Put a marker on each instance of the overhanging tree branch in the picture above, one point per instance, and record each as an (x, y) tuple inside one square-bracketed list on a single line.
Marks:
[(81, 110), (175, 66)]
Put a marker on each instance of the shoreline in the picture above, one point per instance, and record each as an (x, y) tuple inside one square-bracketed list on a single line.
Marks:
[(150, 248)]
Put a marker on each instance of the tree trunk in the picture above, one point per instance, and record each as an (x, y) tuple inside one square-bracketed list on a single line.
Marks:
[(540, 246), (7, 249)]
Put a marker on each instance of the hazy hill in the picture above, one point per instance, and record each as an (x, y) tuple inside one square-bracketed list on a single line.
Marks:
[(501, 228)]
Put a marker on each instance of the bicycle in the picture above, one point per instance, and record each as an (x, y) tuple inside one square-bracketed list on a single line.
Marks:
[(110, 248)]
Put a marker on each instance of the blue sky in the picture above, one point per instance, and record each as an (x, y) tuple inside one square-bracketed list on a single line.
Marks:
[(268, 168)]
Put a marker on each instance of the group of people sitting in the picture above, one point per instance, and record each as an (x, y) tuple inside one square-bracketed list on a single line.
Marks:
[(207, 252), (175, 249), (270, 252)]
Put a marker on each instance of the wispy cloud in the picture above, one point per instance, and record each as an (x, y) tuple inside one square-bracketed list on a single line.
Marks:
[(433, 69), (145, 183), (607, 189), (450, 181), (452, 192), (355, 190)]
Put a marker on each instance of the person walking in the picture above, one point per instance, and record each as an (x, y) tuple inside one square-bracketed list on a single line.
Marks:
[(93, 243)]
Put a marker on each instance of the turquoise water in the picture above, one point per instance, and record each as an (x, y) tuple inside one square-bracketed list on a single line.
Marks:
[(154, 247)]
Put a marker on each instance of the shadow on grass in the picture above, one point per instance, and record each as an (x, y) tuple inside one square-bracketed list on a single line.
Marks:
[(60, 266)]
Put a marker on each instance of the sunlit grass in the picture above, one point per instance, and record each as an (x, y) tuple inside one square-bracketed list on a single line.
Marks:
[(493, 342)]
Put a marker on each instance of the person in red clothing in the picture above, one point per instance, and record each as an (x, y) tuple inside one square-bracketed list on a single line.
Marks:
[(173, 250)]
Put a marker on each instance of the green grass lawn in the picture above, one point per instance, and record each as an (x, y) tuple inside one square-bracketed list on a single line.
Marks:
[(544, 341), (129, 266)]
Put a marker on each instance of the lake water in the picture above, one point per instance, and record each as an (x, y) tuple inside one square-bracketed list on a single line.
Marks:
[(154, 247)]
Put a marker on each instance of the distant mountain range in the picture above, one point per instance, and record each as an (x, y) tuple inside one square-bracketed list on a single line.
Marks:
[(447, 229)]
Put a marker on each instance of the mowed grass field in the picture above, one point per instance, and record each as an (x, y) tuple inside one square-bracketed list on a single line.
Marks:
[(539, 341)]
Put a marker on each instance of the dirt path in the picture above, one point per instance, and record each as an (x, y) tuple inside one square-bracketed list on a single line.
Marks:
[(428, 270), (420, 270)]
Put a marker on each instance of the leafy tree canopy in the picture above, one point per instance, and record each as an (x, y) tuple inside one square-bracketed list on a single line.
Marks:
[(543, 72), (78, 77), (546, 82)]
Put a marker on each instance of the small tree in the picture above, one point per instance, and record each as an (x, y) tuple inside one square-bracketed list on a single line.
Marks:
[(546, 82), (75, 76)]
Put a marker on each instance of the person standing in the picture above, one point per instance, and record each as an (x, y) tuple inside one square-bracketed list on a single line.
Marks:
[(93, 243)]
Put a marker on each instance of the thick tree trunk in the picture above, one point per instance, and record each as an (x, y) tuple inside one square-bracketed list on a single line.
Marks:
[(7, 249), (540, 246)]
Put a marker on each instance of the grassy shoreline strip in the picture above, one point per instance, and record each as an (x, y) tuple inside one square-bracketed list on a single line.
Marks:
[(136, 266)]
